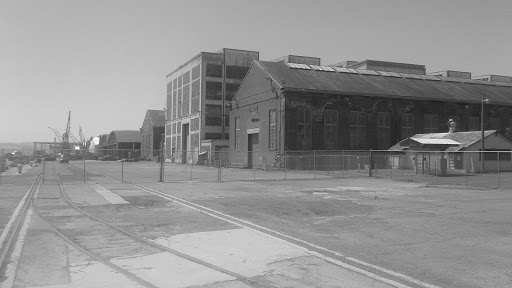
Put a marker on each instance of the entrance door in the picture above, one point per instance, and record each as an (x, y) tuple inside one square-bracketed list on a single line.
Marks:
[(184, 142), (252, 148)]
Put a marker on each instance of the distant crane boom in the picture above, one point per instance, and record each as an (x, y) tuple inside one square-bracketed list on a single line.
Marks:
[(58, 137)]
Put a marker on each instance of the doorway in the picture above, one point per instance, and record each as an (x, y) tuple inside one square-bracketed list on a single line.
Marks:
[(253, 146), (184, 142)]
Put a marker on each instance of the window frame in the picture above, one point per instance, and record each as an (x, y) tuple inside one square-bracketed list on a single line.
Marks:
[(272, 129), (237, 133), (328, 144)]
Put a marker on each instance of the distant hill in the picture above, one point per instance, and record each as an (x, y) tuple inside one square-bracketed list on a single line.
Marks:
[(27, 147)]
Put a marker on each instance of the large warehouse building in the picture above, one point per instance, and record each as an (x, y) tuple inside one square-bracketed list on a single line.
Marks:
[(295, 107)]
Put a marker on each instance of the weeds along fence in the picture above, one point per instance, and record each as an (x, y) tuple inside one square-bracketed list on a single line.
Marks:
[(490, 169)]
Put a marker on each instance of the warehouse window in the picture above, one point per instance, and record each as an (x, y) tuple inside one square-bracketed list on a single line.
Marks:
[(175, 84), (231, 89), (174, 104), (194, 124), (196, 72), (213, 90), (180, 102), (236, 72), (237, 133), (304, 133), (178, 128), (194, 140), (331, 129), (272, 131), (186, 100), (430, 123), (213, 115), (474, 123), (186, 77), (357, 130), (384, 130), (213, 70), (195, 97), (173, 128)]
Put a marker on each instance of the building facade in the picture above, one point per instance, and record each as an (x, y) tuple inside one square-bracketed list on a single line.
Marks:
[(199, 95), (153, 129), (296, 107)]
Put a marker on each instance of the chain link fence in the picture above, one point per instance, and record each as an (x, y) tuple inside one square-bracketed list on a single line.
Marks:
[(126, 166)]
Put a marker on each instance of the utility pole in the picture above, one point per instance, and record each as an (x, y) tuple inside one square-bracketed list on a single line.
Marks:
[(482, 153), (223, 120)]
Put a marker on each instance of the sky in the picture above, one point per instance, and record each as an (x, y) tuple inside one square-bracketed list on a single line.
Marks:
[(106, 60)]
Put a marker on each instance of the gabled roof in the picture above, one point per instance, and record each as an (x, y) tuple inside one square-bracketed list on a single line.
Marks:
[(126, 136), (157, 117), (457, 141), (326, 79)]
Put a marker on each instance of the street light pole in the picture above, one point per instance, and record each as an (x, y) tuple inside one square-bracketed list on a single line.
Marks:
[(482, 153)]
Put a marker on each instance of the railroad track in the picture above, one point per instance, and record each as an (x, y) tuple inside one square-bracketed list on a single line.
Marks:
[(104, 241), (14, 227)]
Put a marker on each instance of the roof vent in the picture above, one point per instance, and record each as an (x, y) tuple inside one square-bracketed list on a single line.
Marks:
[(452, 125)]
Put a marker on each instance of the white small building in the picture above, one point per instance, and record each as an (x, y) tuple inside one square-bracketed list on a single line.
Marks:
[(453, 152)]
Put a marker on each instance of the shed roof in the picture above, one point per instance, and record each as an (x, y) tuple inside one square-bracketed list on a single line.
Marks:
[(435, 141), (301, 77), (462, 139)]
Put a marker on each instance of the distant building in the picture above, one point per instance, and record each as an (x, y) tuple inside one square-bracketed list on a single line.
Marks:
[(298, 59), (121, 144), (153, 129), (297, 107), (383, 66), (451, 73), (494, 78), (199, 94)]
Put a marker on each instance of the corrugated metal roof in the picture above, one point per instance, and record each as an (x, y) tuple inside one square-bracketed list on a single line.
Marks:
[(430, 141), (463, 139), (371, 85)]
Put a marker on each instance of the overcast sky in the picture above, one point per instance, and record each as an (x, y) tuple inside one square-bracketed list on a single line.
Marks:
[(106, 60)]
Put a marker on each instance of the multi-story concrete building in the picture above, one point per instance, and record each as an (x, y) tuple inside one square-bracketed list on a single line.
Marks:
[(199, 95)]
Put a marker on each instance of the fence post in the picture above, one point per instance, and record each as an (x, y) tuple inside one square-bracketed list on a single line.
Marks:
[(122, 172), (499, 177), (314, 162), (370, 162), (220, 166), (284, 165), (162, 157), (390, 161), (44, 169), (84, 170), (437, 177), (191, 164), (465, 169)]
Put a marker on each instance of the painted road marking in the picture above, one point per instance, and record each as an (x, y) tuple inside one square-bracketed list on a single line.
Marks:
[(236, 221), (111, 197)]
